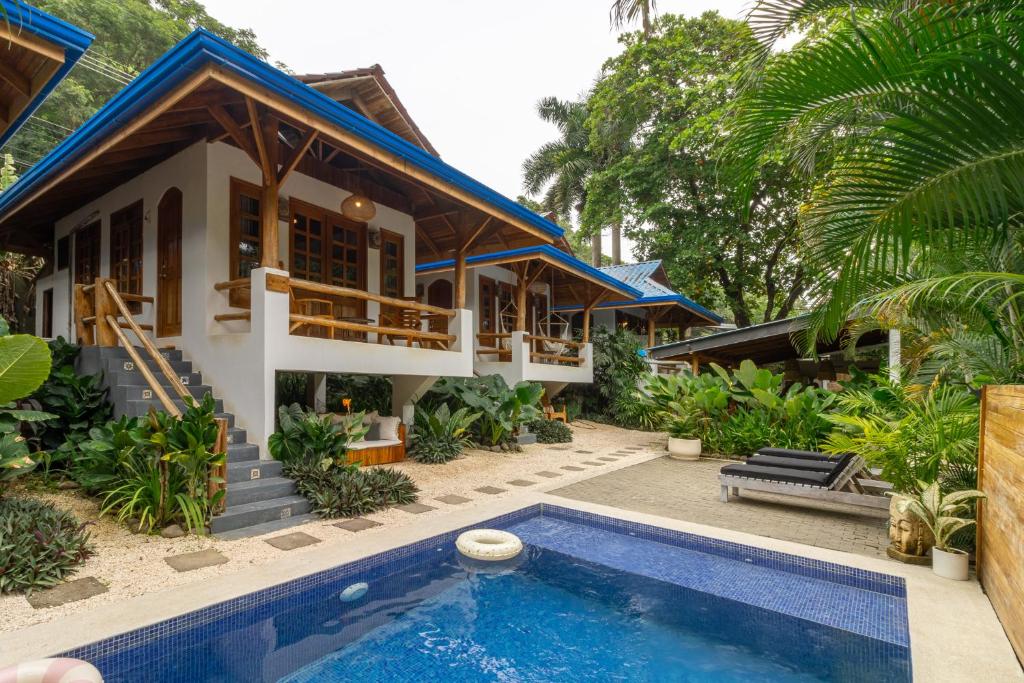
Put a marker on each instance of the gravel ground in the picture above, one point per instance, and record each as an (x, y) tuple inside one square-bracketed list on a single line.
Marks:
[(131, 565)]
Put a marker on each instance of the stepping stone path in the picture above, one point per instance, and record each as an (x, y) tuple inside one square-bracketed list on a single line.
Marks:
[(560, 448), (79, 589), (585, 452), (292, 541), (415, 508), (521, 482), (188, 562), (490, 490), (594, 463), (357, 524), (573, 468), (549, 475), (452, 500), (607, 458)]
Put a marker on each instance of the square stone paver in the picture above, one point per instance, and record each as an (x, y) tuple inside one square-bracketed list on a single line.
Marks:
[(187, 562), (593, 463), (573, 468), (79, 589), (607, 458), (490, 490), (560, 448), (357, 524), (452, 500), (521, 482), (549, 475), (415, 508), (292, 541), (584, 452)]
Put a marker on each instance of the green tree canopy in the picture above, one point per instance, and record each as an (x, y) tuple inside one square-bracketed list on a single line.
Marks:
[(658, 111)]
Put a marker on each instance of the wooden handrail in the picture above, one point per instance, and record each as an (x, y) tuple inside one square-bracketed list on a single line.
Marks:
[(168, 404), (361, 327), (351, 293), (570, 360), (494, 335), (555, 340), (135, 298), (227, 317), (239, 283), (151, 349)]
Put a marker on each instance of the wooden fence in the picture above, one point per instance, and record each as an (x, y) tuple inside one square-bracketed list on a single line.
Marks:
[(1001, 515)]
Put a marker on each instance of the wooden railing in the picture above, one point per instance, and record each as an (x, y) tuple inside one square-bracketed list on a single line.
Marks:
[(102, 315), (309, 313), (505, 354)]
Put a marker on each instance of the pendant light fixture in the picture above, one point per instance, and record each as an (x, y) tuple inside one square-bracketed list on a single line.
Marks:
[(358, 207)]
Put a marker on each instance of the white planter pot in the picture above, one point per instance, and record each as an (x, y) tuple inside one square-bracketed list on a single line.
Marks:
[(684, 449), (950, 564)]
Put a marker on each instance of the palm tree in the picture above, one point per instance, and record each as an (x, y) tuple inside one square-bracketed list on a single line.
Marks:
[(911, 120), (626, 12), (564, 165)]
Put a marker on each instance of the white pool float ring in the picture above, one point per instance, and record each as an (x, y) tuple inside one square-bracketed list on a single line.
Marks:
[(490, 545)]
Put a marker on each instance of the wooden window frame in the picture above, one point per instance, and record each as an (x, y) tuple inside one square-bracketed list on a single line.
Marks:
[(238, 187), (92, 235), (487, 282), (328, 219), (399, 239), (47, 313), (133, 229)]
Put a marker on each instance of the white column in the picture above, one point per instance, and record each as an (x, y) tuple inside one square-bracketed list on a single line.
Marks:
[(894, 355)]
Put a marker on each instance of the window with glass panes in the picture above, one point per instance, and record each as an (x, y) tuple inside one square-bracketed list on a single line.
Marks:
[(87, 254), (245, 249), (392, 280), (126, 250)]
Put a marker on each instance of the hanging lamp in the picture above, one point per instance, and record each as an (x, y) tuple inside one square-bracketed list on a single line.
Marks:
[(358, 207)]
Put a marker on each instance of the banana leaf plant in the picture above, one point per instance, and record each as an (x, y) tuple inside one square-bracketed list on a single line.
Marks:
[(24, 365)]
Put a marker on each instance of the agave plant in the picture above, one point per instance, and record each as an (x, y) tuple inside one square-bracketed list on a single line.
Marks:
[(943, 514)]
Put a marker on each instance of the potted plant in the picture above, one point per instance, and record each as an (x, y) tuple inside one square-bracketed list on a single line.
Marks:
[(943, 515), (684, 436)]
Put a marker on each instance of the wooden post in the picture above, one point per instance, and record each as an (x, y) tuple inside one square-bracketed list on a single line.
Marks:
[(521, 287), (460, 279), (270, 223), (695, 365), (104, 306), (651, 328), (83, 309)]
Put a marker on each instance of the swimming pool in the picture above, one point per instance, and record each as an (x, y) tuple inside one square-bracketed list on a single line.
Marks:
[(592, 598)]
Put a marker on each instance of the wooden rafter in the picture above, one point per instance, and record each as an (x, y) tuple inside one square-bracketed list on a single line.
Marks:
[(289, 163), (422, 234), (234, 131), (16, 79), (470, 239)]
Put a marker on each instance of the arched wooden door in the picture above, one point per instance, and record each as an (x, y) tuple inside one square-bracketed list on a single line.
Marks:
[(168, 293), (439, 293)]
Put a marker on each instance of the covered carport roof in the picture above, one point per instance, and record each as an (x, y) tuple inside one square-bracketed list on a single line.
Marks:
[(771, 342)]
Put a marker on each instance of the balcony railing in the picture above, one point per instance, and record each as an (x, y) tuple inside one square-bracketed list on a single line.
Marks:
[(334, 312), (566, 351)]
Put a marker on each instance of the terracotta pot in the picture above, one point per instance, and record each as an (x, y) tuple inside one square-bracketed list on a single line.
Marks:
[(950, 564), (683, 449)]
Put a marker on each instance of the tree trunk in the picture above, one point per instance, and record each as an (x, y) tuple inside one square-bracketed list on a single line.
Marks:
[(616, 243), (595, 249)]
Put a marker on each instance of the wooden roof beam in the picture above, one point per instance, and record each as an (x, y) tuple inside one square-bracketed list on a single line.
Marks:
[(260, 136), (16, 79), (234, 131), (295, 155)]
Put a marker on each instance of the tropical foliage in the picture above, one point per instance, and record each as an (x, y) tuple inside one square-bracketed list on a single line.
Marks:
[(945, 514), (908, 118), (502, 409), (618, 371), (305, 436), (24, 365), (551, 431), (440, 435), (41, 545), (348, 490), (155, 470)]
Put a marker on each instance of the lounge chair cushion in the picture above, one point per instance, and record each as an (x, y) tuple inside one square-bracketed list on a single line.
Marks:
[(792, 463), (802, 455), (374, 432), (388, 428), (779, 474), (375, 443)]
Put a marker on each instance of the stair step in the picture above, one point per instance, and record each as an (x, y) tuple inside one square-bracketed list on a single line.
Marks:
[(259, 512), (243, 452), (243, 471), (227, 416), (108, 352), (181, 367), (118, 378), (257, 490), (266, 527), (236, 436), (142, 392), (138, 408)]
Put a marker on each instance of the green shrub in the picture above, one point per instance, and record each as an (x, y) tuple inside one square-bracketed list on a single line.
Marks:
[(369, 393), (41, 545), (348, 490), (618, 370), (441, 435), (303, 435), (25, 363), (502, 409), (551, 431), (155, 469)]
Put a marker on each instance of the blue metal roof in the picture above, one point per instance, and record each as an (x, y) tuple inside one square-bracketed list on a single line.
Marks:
[(567, 260), (638, 276), (73, 40), (201, 48)]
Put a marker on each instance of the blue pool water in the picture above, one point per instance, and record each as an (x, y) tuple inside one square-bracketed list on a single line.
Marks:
[(591, 599)]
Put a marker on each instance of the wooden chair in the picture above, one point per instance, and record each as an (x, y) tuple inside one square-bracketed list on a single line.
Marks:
[(314, 308), (561, 415), (402, 318)]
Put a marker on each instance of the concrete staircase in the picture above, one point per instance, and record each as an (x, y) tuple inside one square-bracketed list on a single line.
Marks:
[(260, 499)]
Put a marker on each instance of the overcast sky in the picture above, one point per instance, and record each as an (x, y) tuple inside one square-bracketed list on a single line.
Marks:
[(469, 72)]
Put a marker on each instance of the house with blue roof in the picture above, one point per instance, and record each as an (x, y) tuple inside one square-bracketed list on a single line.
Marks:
[(39, 51), (657, 307)]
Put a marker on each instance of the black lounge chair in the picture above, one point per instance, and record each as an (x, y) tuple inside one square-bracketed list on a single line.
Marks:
[(805, 474)]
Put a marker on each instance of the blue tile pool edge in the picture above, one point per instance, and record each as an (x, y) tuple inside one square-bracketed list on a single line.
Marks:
[(397, 559)]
